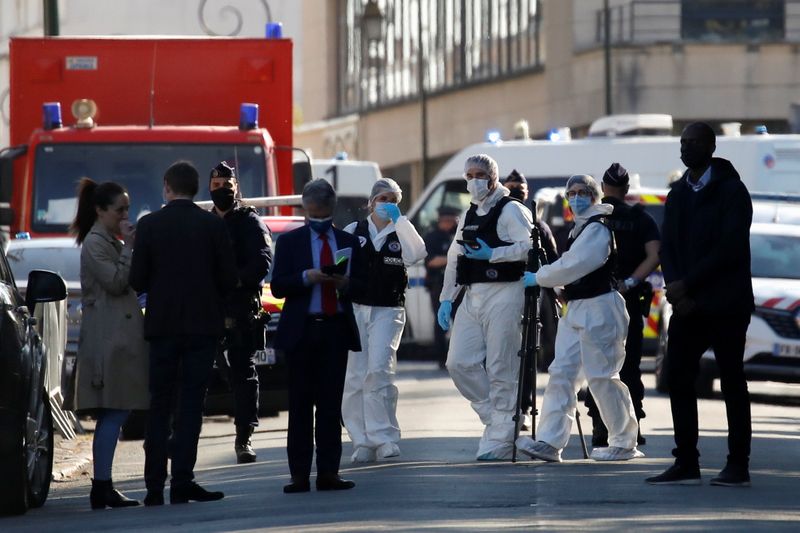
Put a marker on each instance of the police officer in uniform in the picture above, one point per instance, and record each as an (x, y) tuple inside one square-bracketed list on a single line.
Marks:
[(638, 242), (487, 259), (244, 324), (437, 242), (369, 403)]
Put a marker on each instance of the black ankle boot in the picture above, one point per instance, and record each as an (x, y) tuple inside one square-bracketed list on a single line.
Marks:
[(243, 447), (104, 495)]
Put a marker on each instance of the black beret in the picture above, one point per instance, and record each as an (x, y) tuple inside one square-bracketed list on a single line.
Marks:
[(223, 170), (515, 177), (616, 176), (447, 210)]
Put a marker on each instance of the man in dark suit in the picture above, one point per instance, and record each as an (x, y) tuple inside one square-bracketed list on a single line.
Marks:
[(183, 260), (316, 330)]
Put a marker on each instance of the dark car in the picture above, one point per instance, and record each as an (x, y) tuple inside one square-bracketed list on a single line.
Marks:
[(26, 422), (271, 365)]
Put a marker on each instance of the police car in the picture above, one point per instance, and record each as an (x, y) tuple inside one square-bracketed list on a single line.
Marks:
[(772, 349)]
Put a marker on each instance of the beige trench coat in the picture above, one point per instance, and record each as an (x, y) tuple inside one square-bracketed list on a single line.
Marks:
[(112, 363)]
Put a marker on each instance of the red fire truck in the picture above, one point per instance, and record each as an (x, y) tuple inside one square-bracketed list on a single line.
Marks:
[(139, 104)]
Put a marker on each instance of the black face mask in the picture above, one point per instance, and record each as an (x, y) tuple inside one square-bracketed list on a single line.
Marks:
[(517, 193), (696, 157), (222, 198)]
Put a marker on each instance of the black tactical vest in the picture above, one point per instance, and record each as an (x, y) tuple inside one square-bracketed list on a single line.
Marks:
[(387, 278), (625, 222), (469, 271), (601, 280)]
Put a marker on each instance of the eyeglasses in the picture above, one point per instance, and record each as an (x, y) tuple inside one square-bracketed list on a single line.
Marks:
[(583, 193)]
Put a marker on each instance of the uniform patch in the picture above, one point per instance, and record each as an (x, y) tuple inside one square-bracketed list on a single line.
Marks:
[(491, 273), (362, 240), (394, 246), (395, 261)]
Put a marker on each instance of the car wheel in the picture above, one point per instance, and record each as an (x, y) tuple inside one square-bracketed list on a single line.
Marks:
[(39, 452), (14, 486)]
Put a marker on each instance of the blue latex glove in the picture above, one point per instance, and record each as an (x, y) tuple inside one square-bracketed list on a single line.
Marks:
[(388, 211), (529, 279), (483, 253), (443, 315)]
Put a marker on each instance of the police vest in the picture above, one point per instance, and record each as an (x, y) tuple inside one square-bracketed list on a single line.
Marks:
[(387, 279), (469, 271), (601, 280), (626, 222)]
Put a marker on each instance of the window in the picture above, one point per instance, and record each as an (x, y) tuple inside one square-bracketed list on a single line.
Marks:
[(733, 20), (775, 256), (463, 42), (451, 193)]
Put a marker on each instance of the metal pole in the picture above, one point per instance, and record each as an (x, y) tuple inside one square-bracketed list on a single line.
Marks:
[(607, 53), (423, 99), (50, 8)]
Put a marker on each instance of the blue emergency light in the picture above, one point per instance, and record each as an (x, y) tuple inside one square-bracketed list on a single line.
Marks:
[(274, 30), (493, 136), (23, 235), (761, 129), (341, 156), (51, 115), (248, 117)]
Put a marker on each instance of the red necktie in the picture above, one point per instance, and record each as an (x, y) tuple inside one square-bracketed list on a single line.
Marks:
[(328, 289)]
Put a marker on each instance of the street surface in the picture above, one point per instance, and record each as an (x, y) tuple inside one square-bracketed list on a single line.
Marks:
[(437, 485)]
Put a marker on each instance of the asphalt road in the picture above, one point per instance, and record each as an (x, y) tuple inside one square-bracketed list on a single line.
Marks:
[(437, 485)]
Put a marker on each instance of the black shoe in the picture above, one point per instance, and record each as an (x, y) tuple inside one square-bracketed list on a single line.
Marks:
[(154, 497), (732, 476), (104, 495), (599, 434), (243, 447), (677, 475), (333, 482), (640, 440), (297, 485), (193, 491)]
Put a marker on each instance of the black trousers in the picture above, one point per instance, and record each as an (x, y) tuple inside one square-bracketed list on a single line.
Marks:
[(179, 372), (317, 369), (689, 337), (630, 373), (243, 377), (439, 335)]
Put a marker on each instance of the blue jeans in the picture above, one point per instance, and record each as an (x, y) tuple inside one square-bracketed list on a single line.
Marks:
[(179, 372), (106, 435)]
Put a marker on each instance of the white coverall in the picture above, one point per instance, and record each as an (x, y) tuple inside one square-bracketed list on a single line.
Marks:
[(487, 327), (369, 403), (591, 335)]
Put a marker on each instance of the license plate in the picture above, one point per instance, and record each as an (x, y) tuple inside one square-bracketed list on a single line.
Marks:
[(266, 357), (786, 350)]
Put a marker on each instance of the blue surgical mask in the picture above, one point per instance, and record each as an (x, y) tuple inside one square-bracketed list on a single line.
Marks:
[(320, 225), (579, 204), (380, 210)]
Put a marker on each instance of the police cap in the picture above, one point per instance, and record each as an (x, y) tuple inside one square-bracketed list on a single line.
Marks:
[(616, 176), (222, 170), (446, 210)]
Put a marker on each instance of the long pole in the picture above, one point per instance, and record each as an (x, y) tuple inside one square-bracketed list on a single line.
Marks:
[(423, 99), (50, 17), (607, 53)]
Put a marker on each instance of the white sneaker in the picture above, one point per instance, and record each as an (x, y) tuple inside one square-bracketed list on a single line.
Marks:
[(388, 449), (538, 449), (615, 453), (363, 455), (501, 453)]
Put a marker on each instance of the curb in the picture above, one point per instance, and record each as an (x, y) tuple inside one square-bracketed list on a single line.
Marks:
[(71, 456)]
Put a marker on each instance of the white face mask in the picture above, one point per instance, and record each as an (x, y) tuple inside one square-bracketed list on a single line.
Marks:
[(479, 189)]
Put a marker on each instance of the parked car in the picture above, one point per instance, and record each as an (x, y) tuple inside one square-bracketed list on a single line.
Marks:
[(271, 365), (26, 422), (772, 350)]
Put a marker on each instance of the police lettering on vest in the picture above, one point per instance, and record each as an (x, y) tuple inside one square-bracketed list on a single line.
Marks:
[(599, 281), (469, 271), (386, 285)]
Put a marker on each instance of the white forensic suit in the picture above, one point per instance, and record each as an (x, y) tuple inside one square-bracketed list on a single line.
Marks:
[(369, 403), (487, 327), (590, 336)]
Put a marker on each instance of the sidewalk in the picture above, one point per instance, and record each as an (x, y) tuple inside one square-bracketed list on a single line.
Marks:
[(70, 457)]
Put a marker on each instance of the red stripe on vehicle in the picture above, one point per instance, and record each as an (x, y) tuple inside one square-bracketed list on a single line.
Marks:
[(772, 302)]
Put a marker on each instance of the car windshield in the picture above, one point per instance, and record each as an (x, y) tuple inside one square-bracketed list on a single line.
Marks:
[(775, 256), (138, 167), (65, 260)]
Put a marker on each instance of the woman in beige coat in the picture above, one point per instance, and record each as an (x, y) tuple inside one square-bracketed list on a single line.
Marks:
[(112, 363)]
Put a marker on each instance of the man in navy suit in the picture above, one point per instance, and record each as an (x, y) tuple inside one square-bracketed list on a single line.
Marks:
[(316, 330)]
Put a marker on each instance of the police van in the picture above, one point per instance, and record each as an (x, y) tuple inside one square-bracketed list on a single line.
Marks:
[(768, 163)]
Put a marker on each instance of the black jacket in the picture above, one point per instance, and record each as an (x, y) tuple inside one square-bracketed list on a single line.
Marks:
[(706, 241), (183, 260), (292, 257)]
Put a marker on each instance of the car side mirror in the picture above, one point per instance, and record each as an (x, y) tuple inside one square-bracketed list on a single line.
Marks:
[(44, 286)]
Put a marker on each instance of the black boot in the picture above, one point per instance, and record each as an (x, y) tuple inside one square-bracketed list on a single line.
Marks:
[(105, 495), (244, 450)]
